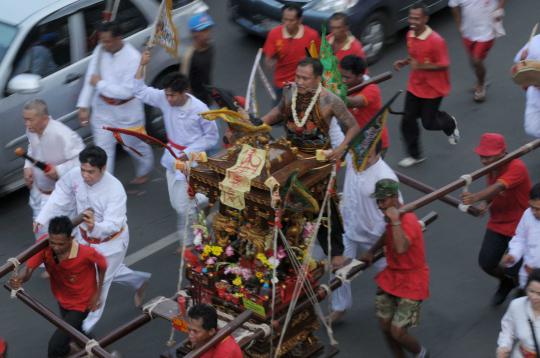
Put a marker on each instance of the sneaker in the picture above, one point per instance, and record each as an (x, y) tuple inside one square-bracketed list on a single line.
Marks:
[(454, 137), (480, 94), (410, 161)]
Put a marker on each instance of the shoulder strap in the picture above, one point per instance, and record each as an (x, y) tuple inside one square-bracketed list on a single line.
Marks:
[(533, 332)]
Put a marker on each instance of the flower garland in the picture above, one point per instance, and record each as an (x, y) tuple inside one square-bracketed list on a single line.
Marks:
[(302, 122)]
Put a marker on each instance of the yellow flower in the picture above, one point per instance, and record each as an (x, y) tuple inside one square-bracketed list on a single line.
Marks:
[(238, 294), (217, 250), (237, 281), (259, 275), (207, 249)]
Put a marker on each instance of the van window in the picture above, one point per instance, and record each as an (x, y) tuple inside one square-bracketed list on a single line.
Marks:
[(129, 16), (45, 50)]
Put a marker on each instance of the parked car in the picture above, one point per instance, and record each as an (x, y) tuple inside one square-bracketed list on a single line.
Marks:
[(373, 22), (69, 26)]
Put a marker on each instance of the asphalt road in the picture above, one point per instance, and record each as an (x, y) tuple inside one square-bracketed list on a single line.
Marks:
[(456, 321)]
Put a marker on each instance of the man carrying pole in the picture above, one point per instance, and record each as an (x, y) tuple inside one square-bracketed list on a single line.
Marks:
[(506, 198), (105, 226), (404, 283), (76, 274)]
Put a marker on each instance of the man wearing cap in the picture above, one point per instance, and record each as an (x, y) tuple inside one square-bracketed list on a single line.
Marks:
[(286, 45), (404, 283), (198, 60), (506, 197)]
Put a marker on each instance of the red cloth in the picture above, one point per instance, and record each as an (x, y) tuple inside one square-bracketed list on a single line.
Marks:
[(431, 49), (372, 95), (288, 51), (226, 348), (73, 280), (352, 47), (2, 347), (478, 49), (406, 275), (508, 206)]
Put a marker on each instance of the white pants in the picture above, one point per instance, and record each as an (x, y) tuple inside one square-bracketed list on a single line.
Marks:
[(182, 204), (342, 297), (37, 201), (105, 139), (117, 272)]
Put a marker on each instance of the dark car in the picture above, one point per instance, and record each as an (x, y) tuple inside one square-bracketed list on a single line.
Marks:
[(371, 21)]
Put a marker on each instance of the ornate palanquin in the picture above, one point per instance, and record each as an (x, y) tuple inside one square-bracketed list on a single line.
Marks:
[(232, 265)]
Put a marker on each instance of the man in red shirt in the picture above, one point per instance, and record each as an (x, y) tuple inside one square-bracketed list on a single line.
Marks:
[(428, 83), (404, 283), (73, 269), (366, 103), (203, 326), (342, 41), (286, 45), (506, 197)]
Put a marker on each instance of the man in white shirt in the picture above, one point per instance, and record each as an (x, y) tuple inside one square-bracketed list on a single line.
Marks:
[(186, 131), (102, 198), (363, 221), (479, 22), (531, 51), (51, 142), (108, 89), (526, 242)]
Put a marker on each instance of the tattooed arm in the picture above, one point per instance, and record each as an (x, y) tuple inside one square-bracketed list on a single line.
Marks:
[(344, 117), (276, 114)]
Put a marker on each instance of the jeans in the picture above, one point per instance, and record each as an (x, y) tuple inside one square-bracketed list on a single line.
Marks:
[(432, 120), (59, 342)]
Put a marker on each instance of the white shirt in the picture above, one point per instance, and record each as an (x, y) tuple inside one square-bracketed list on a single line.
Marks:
[(363, 220), (59, 146), (107, 198), (515, 325), (477, 23), (183, 124), (117, 71), (526, 242), (532, 106)]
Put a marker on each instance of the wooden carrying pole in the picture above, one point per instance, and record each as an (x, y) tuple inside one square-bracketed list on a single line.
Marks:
[(119, 333), (426, 189), (77, 336), (32, 250), (461, 182), (376, 79), (221, 334)]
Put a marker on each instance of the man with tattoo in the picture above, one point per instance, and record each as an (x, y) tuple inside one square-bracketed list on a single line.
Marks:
[(306, 109)]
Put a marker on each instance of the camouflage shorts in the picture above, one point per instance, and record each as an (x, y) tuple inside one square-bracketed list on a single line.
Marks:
[(403, 312)]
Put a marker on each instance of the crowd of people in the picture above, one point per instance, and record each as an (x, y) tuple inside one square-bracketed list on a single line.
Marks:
[(82, 262)]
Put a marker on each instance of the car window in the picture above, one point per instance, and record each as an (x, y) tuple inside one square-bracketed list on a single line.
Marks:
[(7, 34), (130, 18), (45, 50)]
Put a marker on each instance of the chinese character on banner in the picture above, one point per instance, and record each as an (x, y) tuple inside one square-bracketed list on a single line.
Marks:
[(165, 34)]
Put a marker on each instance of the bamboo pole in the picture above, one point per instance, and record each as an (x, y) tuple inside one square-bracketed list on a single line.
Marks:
[(50, 316), (426, 189), (461, 182)]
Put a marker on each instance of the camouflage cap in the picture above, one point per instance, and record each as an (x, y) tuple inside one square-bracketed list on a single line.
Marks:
[(385, 188)]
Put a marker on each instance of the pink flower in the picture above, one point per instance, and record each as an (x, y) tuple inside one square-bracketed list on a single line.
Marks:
[(229, 251), (211, 261), (281, 253)]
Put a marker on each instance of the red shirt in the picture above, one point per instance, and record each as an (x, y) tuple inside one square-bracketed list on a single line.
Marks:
[(226, 348), (372, 96), (431, 48), (351, 47), (508, 206), (288, 50), (73, 280), (406, 275)]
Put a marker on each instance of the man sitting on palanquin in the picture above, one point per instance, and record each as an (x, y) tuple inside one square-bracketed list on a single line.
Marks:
[(306, 109)]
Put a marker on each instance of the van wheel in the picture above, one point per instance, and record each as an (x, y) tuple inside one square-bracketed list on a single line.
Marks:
[(373, 35)]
